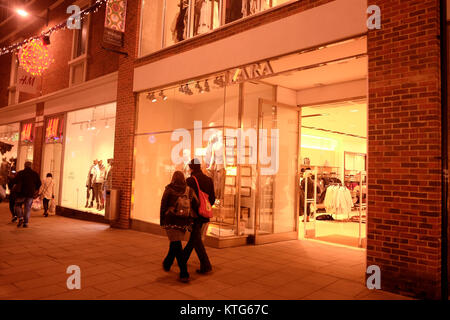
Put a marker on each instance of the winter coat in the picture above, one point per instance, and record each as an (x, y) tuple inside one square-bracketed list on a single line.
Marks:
[(28, 182), (206, 185), (48, 188), (168, 202)]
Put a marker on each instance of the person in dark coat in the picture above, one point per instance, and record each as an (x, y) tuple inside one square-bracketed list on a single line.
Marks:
[(175, 225), (12, 195), (200, 223), (27, 184)]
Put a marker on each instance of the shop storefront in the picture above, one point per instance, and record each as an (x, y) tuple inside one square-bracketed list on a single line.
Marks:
[(254, 137), (78, 151)]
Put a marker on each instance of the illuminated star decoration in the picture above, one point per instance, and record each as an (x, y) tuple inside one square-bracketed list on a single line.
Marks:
[(34, 57)]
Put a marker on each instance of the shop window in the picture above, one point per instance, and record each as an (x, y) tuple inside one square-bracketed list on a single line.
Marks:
[(166, 141), (78, 63), (87, 159), (166, 22), (25, 144)]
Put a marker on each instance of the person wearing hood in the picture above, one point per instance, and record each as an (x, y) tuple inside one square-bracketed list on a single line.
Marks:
[(176, 217), (47, 192)]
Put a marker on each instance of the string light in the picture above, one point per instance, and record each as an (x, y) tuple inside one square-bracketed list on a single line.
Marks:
[(34, 57), (60, 26)]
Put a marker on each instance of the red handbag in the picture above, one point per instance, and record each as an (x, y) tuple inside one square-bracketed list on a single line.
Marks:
[(205, 209)]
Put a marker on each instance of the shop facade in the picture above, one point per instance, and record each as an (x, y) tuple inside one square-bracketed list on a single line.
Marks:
[(379, 162)]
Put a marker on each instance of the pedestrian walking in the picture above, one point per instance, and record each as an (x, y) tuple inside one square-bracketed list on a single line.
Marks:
[(12, 195), (198, 178), (176, 217), (27, 184), (47, 192)]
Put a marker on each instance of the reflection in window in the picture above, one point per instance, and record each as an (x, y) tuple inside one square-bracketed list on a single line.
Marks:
[(166, 22)]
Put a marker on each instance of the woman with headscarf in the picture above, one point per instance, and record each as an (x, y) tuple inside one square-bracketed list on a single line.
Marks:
[(176, 216)]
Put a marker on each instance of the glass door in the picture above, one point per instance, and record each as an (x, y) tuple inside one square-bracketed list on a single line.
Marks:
[(52, 164), (277, 172)]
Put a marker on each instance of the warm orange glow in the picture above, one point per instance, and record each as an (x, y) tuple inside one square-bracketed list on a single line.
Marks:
[(34, 57), (26, 132), (22, 13)]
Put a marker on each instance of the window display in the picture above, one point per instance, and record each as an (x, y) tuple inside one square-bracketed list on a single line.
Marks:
[(182, 123), (26, 145), (166, 22), (88, 154), (52, 152)]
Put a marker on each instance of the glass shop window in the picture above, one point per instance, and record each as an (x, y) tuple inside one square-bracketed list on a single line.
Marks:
[(166, 22)]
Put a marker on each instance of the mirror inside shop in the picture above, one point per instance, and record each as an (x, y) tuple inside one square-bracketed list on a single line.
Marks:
[(292, 157)]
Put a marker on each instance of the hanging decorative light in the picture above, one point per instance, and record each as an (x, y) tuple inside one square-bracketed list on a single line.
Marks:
[(34, 57)]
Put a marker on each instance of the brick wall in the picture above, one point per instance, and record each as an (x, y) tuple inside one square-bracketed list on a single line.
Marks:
[(126, 117), (5, 61), (38, 138), (100, 61), (404, 220)]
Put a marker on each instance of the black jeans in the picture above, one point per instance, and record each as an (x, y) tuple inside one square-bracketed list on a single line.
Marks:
[(45, 201), (12, 201), (176, 251), (196, 242)]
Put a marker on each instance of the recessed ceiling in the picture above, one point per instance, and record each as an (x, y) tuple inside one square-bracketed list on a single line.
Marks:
[(328, 74), (345, 117)]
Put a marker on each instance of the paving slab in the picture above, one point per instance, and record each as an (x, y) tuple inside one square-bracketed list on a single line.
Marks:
[(126, 264)]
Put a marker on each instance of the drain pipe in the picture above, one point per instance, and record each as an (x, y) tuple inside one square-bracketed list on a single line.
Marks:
[(444, 157)]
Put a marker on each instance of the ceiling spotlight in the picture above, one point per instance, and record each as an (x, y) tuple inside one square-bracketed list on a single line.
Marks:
[(188, 90), (162, 95), (206, 86), (199, 87), (151, 96), (181, 89), (106, 124), (219, 81)]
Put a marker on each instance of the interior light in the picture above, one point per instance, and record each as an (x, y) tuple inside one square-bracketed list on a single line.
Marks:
[(354, 110), (22, 13), (199, 87), (151, 96), (106, 124), (162, 95)]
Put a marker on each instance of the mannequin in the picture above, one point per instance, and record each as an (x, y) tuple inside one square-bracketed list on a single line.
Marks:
[(216, 165), (98, 185), (90, 185)]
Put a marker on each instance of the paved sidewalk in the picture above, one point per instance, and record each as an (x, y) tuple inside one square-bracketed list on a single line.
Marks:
[(126, 264)]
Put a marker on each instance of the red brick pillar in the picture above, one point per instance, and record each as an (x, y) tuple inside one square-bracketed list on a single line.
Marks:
[(38, 137), (404, 218), (126, 116)]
